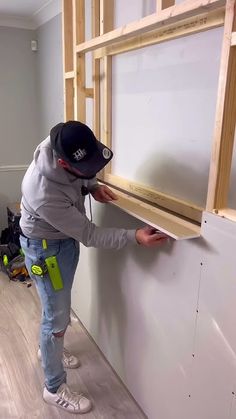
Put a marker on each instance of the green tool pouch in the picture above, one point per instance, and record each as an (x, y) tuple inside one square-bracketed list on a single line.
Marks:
[(50, 267), (54, 272)]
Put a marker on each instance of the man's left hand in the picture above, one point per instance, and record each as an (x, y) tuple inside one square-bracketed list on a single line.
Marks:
[(104, 194)]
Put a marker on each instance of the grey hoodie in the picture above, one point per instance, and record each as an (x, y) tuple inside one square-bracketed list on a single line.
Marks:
[(52, 206)]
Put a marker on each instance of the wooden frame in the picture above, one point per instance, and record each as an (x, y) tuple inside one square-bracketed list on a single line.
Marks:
[(68, 65), (222, 151), (169, 22)]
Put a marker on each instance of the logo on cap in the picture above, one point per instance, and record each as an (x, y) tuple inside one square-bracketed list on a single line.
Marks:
[(106, 153), (79, 154)]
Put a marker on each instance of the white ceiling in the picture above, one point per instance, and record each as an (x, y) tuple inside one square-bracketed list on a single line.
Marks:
[(27, 13), (23, 8)]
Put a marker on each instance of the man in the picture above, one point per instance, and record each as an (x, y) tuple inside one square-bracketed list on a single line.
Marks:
[(53, 223)]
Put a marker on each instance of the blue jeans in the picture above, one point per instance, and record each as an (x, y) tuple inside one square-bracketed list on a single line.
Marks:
[(55, 304)]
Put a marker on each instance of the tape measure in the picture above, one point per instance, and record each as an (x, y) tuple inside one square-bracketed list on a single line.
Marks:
[(39, 268)]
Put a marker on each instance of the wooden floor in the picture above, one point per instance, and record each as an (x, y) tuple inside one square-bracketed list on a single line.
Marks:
[(21, 376)]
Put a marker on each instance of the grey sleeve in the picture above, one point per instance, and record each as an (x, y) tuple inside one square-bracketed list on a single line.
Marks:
[(67, 219)]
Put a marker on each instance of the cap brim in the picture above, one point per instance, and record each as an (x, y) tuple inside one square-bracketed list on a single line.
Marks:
[(95, 163)]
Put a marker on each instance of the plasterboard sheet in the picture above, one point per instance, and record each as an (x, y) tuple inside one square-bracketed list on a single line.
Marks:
[(214, 367), (140, 305), (134, 10), (164, 102)]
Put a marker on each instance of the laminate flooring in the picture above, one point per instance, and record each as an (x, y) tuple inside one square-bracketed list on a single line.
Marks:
[(21, 375)]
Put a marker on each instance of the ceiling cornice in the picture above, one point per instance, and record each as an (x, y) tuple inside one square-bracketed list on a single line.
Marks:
[(51, 9), (16, 22)]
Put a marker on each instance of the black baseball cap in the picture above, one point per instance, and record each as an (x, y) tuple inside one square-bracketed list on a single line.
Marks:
[(75, 143)]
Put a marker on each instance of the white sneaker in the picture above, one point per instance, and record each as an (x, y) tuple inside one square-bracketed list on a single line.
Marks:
[(69, 361), (68, 400)]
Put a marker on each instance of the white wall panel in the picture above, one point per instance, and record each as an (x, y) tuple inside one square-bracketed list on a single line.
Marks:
[(164, 101), (140, 307), (214, 369), (128, 11)]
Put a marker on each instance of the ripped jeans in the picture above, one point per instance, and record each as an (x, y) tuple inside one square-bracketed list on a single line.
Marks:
[(55, 304)]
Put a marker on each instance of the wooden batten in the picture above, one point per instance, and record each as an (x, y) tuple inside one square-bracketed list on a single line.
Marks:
[(69, 74), (67, 31), (106, 24), (96, 70), (96, 103), (67, 48), (185, 209), (170, 224), (166, 17), (79, 60), (223, 139), (107, 119), (89, 92), (69, 99), (186, 27), (228, 213), (164, 4)]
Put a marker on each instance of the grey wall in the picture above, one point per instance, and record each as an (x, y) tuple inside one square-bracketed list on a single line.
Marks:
[(18, 112), (18, 102), (49, 72), (31, 100)]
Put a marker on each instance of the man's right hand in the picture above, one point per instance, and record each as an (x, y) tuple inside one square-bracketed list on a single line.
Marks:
[(150, 237)]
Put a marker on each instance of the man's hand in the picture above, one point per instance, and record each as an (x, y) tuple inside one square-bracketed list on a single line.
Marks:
[(103, 194), (150, 237)]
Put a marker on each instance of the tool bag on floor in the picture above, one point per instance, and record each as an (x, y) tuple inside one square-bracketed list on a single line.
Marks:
[(12, 262)]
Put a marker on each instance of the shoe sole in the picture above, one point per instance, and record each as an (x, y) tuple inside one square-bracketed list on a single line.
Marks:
[(79, 412)]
